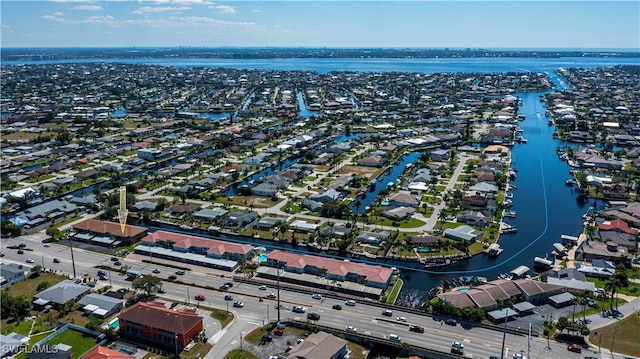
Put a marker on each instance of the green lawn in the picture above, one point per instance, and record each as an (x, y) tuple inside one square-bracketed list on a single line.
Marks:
[(626, 337), (237, 354), (395, 291), (80, 342)]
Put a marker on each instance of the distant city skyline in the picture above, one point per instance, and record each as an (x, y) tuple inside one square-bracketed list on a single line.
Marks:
[(301, 23)]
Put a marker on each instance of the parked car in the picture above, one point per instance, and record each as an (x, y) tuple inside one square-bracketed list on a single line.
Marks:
[(351, 303), (174, 304), (313, 316), (117, 263), (200, 297), (267, 338), (337, 307), (574, 348)]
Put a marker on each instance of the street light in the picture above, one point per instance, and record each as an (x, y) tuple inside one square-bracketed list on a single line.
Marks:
[(176, 341), (241, 335), (613, 340), (599, 341)]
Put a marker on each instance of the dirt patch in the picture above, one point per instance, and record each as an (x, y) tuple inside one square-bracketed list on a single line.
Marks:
[(362, 171)]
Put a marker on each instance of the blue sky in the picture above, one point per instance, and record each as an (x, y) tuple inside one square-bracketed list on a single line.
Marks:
[(303, 23)]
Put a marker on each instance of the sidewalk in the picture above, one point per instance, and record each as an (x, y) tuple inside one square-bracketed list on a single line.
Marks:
[(599, 320)]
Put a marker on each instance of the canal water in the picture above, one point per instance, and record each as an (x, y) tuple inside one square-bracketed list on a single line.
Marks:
[(545, 209)]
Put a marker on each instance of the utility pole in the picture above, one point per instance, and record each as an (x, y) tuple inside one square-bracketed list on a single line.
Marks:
[(529, 342), (504, 336), (73, 262), (278, 287)]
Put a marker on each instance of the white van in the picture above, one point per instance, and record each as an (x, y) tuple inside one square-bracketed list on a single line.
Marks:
[(395, 337)]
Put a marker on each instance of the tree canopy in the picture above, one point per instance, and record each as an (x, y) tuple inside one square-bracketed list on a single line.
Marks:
[(148, 284)]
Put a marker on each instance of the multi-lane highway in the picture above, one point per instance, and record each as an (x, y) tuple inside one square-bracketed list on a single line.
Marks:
[(366, 317)]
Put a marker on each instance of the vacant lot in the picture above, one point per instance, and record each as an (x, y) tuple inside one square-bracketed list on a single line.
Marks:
[(362, 171)]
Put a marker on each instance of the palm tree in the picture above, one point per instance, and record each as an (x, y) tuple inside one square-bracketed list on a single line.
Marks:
[(612, 285)]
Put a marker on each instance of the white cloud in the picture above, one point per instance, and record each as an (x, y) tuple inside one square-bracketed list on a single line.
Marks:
[(74, 1), (224, 9), (259, 9), (58, 13), (152, 9), (87, 7), (5, 26)]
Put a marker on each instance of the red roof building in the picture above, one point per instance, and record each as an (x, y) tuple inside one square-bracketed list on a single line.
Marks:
[(101, 352), (617, 225), (373, 275), (152, 323)]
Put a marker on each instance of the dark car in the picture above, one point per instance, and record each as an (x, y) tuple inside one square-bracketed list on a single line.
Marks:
[(22, 245), (114, 259), (200, 297), (267, 338), (574, 348), (224, 287), (278, 331), (387, 313), (229, 284), (117, 263), (337, 307), (416, 328), (56, 260), (173, 277), (174, 304), (313, 316), (451, 322), (20, 251)]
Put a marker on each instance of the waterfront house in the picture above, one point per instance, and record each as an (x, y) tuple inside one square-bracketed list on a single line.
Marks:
[(237, 219), (184, 243), (590, 249), (372, 161), (313, 206), (462, 233), (475, 218), (372, 238), (302, 226), (622, 239), (151, 323), (264, 189), (268, 223), (327, 196), (209, 215), (404, 199), (439, 155)]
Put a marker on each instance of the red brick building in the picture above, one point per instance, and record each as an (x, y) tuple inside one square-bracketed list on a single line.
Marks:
[(152, 323)]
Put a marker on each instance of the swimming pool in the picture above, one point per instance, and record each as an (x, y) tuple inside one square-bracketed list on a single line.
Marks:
[(115, 324), (262, 258), (463, 289)]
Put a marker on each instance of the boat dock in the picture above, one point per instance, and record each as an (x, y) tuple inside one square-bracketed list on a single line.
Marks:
[(510, 214), (506, 228), (494, 250)]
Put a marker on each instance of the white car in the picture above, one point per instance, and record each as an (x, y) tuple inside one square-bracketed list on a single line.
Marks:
[(401, 319), (29, 260), (518, 356), (47, 245), (351, 328), (298, 309), (316, 296), (457, 345), (351, 303), (262, 287)]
